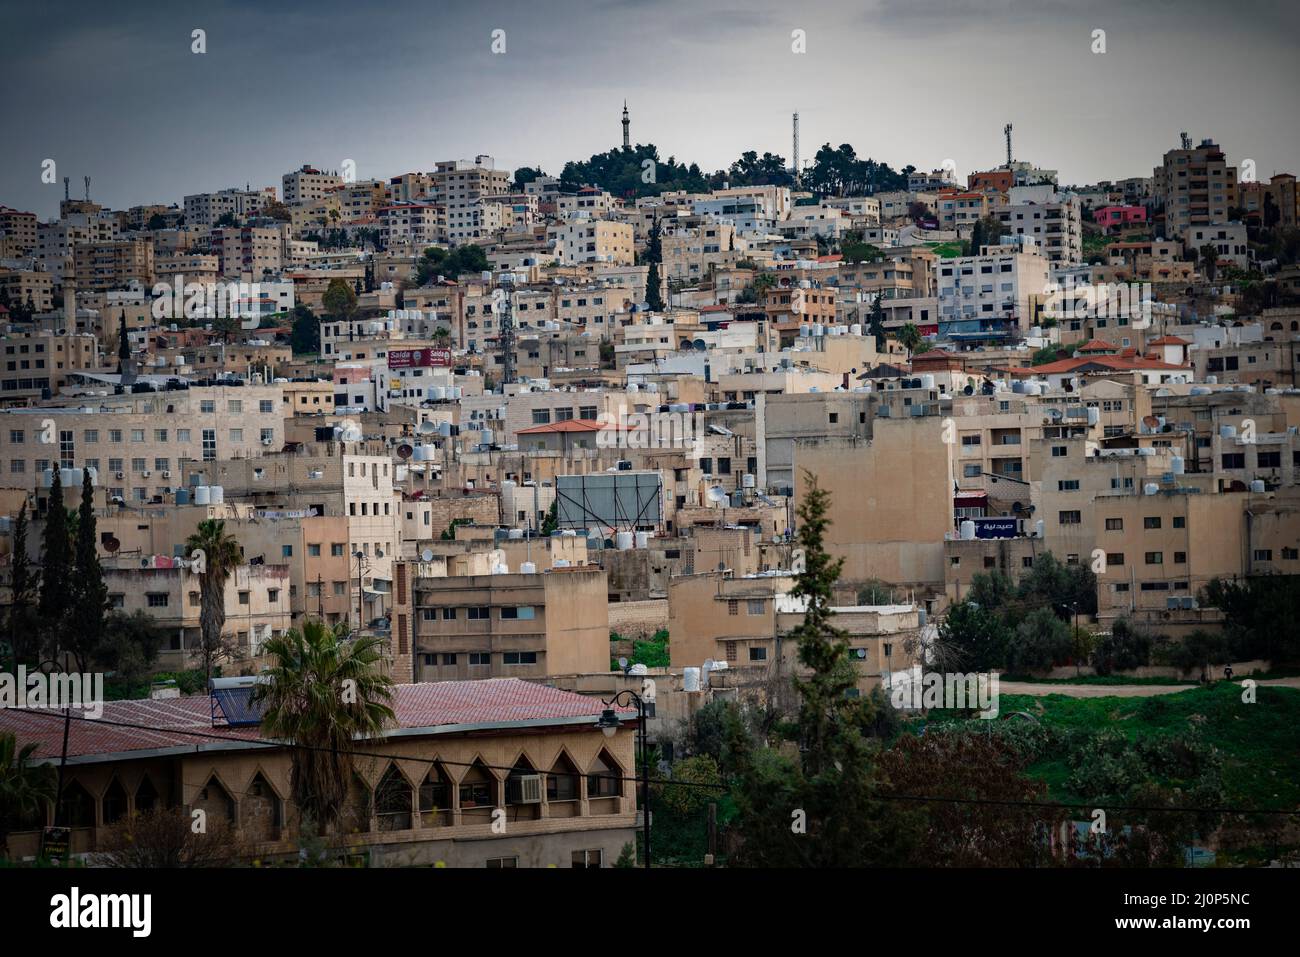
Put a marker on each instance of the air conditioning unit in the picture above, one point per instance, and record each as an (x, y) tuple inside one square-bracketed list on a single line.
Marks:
[(145, 474), (530, 789), (120, 475), (267, 441), (166, 474)]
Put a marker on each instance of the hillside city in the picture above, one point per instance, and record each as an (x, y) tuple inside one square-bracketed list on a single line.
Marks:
[(617, 515)]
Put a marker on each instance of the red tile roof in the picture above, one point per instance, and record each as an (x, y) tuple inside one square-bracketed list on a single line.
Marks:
[(1169, 341), (1104, 363), (1096, 345), (569, 425), (186, 723)]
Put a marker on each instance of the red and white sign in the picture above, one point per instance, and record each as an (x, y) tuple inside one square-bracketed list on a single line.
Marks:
[(418, 358)]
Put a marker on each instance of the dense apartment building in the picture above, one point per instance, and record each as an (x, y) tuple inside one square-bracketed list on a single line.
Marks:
[(205, 209), (1195, 187), (113, 265), (142, 445), (307, 184), (527, 625)]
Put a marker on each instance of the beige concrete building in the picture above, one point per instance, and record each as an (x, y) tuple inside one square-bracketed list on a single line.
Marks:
[(457, 752), (1195, 187), (502, 625)]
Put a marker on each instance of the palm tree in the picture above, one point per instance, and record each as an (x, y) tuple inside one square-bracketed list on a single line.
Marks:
[(25, 788), (910, 337), (221, 555), (324, 693)]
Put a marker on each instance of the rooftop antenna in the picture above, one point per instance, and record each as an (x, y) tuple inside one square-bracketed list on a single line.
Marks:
[(87, 179), (66, 180), (1187, 140), (1006, 131), (796, 150)]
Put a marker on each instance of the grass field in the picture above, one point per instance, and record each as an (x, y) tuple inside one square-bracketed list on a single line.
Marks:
[(1260, 742)]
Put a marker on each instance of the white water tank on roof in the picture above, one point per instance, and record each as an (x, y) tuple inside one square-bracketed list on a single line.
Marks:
[(690, 679), (202, 495), (967, 530), (218, 494), (1257, 485)]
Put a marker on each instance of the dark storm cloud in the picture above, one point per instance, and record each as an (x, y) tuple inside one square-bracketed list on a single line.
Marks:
[(112, 90)]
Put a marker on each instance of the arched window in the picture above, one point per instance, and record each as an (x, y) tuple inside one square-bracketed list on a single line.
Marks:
[(356, 807), (604, 777), (562, 780), (435, 798), (114, 802), (393, 801), (78, 807), (478, 791), (524, 790), (215, 801), (146, 796), (260, 811)]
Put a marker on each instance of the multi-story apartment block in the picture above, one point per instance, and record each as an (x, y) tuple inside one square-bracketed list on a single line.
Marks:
[(250, 252), (509, 625), (205, 209), (20, 227), (1053, 219), (142, 444), (31, 365), (592, 241), (1195, 187), (102, 266), (307, 184), (55, 241), (991, 290)]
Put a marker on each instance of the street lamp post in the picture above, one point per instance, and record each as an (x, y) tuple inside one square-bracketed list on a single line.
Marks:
[(609, 724)]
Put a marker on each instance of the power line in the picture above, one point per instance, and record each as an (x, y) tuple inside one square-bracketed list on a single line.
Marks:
[(919, 799)]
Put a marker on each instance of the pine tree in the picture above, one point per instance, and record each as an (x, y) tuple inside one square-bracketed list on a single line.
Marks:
[(56, 569), (977, 237), (823, 648), (89, 593)]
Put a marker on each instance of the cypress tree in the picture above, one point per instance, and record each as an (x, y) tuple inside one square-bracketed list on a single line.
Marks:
[(89, 593), (56, 568), (24, 643)]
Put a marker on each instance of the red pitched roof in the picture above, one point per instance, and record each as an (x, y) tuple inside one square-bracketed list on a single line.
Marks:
[(569, 425), (1097, 345), (186, 723), (1109, 363), (1169, 341)]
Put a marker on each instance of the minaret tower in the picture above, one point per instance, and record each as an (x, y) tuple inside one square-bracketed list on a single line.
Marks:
[(627, 124)]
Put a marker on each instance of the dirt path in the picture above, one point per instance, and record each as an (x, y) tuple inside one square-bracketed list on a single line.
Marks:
[(1115, 691)]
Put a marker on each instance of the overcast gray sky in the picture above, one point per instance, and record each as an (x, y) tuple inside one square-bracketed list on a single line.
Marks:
[(112, 90)]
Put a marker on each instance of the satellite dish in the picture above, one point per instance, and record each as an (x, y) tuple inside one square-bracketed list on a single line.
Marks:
[(404, 451), (717, 494), (112, 545), (622, 663), (427, 427), (427, 555)]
